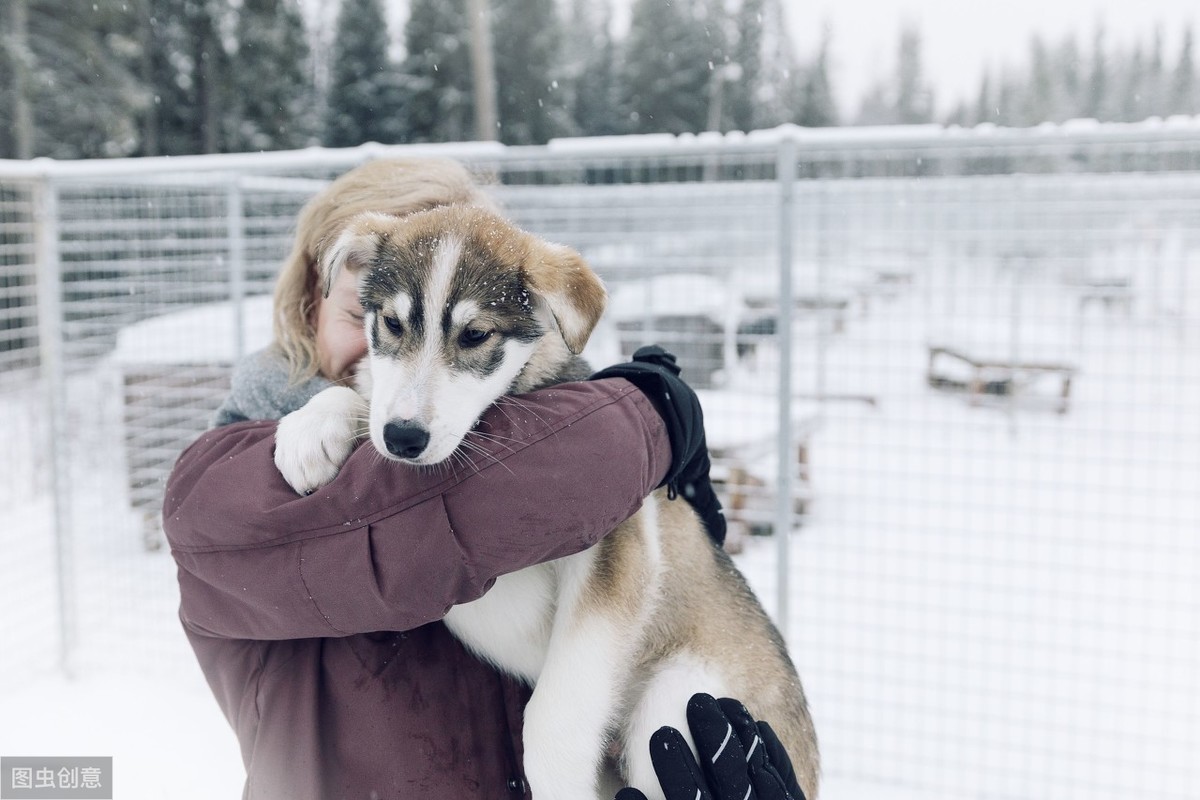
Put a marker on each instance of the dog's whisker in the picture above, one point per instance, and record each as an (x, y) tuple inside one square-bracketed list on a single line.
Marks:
[(483, 451), (522, 405), (448, 466), (500, 407), (494, 436), (460, 457), (502, 441)]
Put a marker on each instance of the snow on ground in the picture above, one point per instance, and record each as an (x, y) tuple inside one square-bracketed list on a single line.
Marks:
[(165, 734), (984, 601)]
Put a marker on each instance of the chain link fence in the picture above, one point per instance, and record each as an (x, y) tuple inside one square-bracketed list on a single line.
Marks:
[(958, 368)]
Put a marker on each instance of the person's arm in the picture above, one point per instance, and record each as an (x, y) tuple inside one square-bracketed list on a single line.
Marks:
[(388, 547)]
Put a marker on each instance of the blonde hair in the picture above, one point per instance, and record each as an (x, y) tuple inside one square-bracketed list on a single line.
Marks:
[(391, 186)]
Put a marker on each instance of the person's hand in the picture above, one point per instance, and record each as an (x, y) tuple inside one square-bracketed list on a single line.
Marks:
[(654, 371), (741, 758)]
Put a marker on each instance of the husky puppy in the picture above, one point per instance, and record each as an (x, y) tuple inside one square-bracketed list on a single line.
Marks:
[(460, 308)]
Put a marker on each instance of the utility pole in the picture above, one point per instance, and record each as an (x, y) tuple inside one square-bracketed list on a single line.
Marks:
[(483, 70)]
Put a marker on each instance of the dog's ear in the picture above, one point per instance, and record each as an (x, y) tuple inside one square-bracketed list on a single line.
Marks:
[(354, 247), (571, 290)]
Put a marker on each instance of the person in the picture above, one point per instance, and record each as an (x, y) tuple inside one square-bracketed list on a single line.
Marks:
[(316, 619)]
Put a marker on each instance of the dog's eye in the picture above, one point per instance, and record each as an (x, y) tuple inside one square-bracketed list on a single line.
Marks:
[(394, 325), (473, 337)]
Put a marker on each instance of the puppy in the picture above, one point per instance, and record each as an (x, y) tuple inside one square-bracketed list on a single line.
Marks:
[(461, 308)]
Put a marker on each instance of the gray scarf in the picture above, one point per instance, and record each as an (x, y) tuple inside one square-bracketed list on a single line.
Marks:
[(260, 389)]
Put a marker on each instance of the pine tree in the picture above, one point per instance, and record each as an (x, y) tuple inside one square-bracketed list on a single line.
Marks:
[(1095, 101), (718, 38), (905, 98), (270, 78), (1154, 81), (591, 67), (779, 86), (817, 106), (667, 73), (1007, 93), (436, 93), (1184, 99), (744, 89), (1037, 105), (985, 104), (875, 106), (532, 100), (69, 79), (1068, 102), (186, 69), (360, 106), (1133, 74), (914, 95)]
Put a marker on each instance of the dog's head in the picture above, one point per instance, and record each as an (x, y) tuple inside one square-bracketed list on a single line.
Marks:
[(460, 307)]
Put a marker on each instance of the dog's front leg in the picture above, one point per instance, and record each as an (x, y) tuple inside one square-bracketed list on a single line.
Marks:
[(313, 442), (577, 695)]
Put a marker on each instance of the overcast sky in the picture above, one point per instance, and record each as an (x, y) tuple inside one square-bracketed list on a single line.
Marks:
[(962, 36)]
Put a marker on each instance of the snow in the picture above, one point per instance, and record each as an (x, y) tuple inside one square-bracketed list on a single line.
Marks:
[(994, 601), (165, 734), (970, 608), (200, 335), (674, 295)]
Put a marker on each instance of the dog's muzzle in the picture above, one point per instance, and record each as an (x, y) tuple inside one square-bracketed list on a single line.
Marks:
[(405, 439)]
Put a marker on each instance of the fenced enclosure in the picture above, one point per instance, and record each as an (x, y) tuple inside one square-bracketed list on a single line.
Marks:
[(959, 369)]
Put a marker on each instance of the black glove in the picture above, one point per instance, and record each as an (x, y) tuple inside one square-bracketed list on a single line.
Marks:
[(727, 773), (654, 371)]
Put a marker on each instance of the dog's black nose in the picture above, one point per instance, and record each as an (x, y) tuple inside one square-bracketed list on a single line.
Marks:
[(405, 439)]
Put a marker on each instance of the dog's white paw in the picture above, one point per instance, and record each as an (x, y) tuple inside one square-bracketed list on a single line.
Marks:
[(313, 442)]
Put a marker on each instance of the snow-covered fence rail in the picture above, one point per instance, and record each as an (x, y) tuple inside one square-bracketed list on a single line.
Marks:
[(988, 579)]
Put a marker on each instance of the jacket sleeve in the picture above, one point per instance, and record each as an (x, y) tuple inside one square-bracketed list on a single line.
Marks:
[(389, 547)]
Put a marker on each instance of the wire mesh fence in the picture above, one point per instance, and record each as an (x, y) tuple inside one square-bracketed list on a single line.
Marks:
[(959, 368)]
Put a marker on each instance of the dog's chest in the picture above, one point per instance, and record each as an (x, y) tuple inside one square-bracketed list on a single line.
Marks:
[(510, 625)]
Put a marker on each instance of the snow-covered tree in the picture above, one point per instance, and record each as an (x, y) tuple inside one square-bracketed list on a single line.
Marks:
[(361, 103), (777, 89), (1183, 95), (1038, 103), (904, 97), (1154, 80), (531, 97), (1126, 84), (1068, 67), (817, 108), (913, 93), (68, 81), (1096, 101), (590, 64), (1131, 105), (436, 87), (270, 78), (742, 88), (667, 73), (186, 69), (985, 103)]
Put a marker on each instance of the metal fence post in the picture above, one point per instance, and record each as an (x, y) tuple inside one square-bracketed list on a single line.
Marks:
[(51, 352), (785, 175), (235, 230)]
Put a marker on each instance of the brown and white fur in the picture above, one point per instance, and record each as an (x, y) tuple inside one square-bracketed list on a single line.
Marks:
[(462, 308)]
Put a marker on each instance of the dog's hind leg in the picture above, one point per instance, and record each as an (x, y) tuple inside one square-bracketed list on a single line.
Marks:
[(663, 701)]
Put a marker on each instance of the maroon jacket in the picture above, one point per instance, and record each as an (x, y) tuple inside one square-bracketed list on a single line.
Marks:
[(315, 619)]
